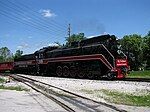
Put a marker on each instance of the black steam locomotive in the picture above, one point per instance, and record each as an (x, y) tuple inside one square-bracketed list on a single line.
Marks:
[(96, 57)]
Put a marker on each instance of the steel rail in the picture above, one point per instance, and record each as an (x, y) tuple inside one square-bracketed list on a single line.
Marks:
[(137, 79), (47, 95)]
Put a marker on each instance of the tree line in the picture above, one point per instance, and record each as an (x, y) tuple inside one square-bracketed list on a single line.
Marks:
[(136, 47), (7, 56)]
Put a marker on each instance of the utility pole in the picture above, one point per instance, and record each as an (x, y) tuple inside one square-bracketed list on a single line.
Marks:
[(69, 30)]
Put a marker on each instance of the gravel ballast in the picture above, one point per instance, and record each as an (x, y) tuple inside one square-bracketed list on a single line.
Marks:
[(77, 85)]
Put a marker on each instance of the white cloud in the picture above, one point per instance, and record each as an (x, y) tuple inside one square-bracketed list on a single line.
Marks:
[(47, 13), (19, 47), (22, 46)]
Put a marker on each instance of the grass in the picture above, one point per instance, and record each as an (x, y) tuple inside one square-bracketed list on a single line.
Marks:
[(87, 91), (127, 99), (139, 74), (17, 88), (121, 98), (2, 80)]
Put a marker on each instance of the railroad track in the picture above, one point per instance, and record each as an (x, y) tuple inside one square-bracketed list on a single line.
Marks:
[(68, 100), (137, 79), (129, 79), (41, 89), (126, 79)]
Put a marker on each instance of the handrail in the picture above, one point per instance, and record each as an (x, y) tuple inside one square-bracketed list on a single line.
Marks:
[(103, 54), (110, 54)]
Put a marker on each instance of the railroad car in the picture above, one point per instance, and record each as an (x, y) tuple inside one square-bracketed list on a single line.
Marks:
[(6, 66), (96, 57)]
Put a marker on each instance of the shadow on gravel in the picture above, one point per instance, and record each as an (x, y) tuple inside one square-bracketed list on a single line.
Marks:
[(137, 79)]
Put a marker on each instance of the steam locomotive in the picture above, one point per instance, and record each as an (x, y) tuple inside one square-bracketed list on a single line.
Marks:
[(95, 57)]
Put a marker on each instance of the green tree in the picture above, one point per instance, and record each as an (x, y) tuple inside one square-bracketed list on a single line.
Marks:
[(146, 49), (18, 54), (1, 59), (148, 34), (5, 54), (74, 38), (133, 44)]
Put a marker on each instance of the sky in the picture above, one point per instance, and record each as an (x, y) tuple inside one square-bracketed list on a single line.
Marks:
[(29, 25)]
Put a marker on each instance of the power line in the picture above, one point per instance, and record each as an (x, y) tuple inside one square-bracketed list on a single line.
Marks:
[(35, 13), (34, 23), (14, 17), (18, 20), (27, 24)]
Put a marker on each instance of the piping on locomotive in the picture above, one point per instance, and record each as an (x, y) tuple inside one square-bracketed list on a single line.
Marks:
[(96, 57)]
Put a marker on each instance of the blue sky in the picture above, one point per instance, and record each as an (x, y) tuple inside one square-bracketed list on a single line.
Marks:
[(31, 24)]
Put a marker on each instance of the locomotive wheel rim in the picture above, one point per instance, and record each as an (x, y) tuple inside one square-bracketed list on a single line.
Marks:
[(81, 74), (110, 76), (90, 75), (65, 71), (73, 74), (72, 71), (59, 71)]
